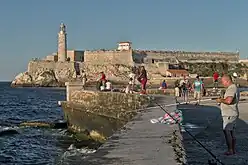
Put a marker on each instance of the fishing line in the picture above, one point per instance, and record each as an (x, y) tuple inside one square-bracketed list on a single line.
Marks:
[(188, 132)]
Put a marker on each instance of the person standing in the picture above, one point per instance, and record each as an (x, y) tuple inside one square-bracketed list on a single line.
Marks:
[(198, 87), (132, 76), (215, 79), (229, 112), (84, 78), (185, 90), (101, 81), (143, 79), (235, 77)]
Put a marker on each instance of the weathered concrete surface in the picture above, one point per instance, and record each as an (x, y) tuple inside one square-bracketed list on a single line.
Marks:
[(101, 113), (140, 143), (209, 132), (143, 143)]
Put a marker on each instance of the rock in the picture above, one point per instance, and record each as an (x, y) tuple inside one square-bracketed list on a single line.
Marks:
[(22, 78), (46, 78), (64, 74), (4, 131)]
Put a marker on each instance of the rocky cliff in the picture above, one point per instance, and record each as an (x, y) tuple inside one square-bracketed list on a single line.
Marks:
[(55, 74)]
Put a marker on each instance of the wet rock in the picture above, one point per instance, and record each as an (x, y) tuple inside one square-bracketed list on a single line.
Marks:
[(22, 79), (8, 131)]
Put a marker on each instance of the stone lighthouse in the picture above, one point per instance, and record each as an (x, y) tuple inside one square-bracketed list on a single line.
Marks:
[(62, 44)]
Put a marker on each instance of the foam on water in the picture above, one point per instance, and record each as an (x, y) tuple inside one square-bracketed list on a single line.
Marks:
[(31, 145), (74, 153)]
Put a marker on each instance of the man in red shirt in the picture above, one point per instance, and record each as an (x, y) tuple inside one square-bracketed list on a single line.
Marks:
[(101, 81), (215, 78), (103, 76)]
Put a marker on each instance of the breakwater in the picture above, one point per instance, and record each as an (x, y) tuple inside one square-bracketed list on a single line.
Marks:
[(97, 115)]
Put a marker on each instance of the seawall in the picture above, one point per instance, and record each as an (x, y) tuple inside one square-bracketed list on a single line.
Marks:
[(99, 114)]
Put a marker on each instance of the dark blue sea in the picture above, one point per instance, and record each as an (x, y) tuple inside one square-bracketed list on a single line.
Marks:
[(33, 145)]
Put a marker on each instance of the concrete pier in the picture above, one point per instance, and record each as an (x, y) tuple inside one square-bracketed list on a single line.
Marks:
[(97, 115), (139, 142), (208, 120), (143, 143)]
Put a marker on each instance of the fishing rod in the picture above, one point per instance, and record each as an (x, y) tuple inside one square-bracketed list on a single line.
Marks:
[(188, 132)]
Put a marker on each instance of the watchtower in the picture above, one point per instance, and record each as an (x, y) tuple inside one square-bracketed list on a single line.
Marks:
[(62, 43)]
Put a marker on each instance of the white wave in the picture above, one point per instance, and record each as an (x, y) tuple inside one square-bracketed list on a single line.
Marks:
[(73, 151), (191, 126)]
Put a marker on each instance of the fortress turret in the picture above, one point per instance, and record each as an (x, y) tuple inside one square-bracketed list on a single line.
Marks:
[(124, 45), (62, 43)]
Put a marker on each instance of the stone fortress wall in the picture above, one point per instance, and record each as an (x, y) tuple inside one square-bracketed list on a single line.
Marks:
[(183, 56), (104, 57)]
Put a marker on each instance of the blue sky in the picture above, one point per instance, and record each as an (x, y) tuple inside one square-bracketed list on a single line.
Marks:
[(29, 28)]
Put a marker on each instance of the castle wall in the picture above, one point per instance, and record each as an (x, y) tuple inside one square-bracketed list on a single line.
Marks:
[(189, 56), (105, 57)]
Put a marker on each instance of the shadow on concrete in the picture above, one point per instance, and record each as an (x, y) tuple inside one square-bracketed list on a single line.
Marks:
[(205, 122), (99, 157)]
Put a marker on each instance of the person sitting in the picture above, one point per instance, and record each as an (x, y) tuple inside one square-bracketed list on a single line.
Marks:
[(129, 87), (102, 88), (109, 86), (163, 86)]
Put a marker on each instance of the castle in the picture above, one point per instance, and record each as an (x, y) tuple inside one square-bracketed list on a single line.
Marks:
[(124, 54), (66, 65)]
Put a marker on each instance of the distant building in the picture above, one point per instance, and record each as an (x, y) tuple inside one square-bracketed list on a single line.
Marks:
[(177, 73), (52, 57), (124, 45), (75, 55), (244, 61)]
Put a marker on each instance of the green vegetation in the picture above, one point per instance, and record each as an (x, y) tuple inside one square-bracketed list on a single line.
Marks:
[(208, 69)]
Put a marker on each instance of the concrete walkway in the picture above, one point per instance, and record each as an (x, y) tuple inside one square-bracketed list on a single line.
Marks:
[(140, 143), (207, 126), (143, 143)]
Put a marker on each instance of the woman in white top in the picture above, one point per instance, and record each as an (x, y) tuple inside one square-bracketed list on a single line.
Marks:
[(108, 86)]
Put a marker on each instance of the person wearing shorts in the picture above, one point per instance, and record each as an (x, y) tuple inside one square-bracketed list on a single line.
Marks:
[(229, 112), (197, 86)]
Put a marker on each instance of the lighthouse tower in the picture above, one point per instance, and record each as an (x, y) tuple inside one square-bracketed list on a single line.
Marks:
[(62, 44)]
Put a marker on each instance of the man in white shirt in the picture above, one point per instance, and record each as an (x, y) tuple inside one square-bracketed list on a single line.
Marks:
[(108, 86)]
